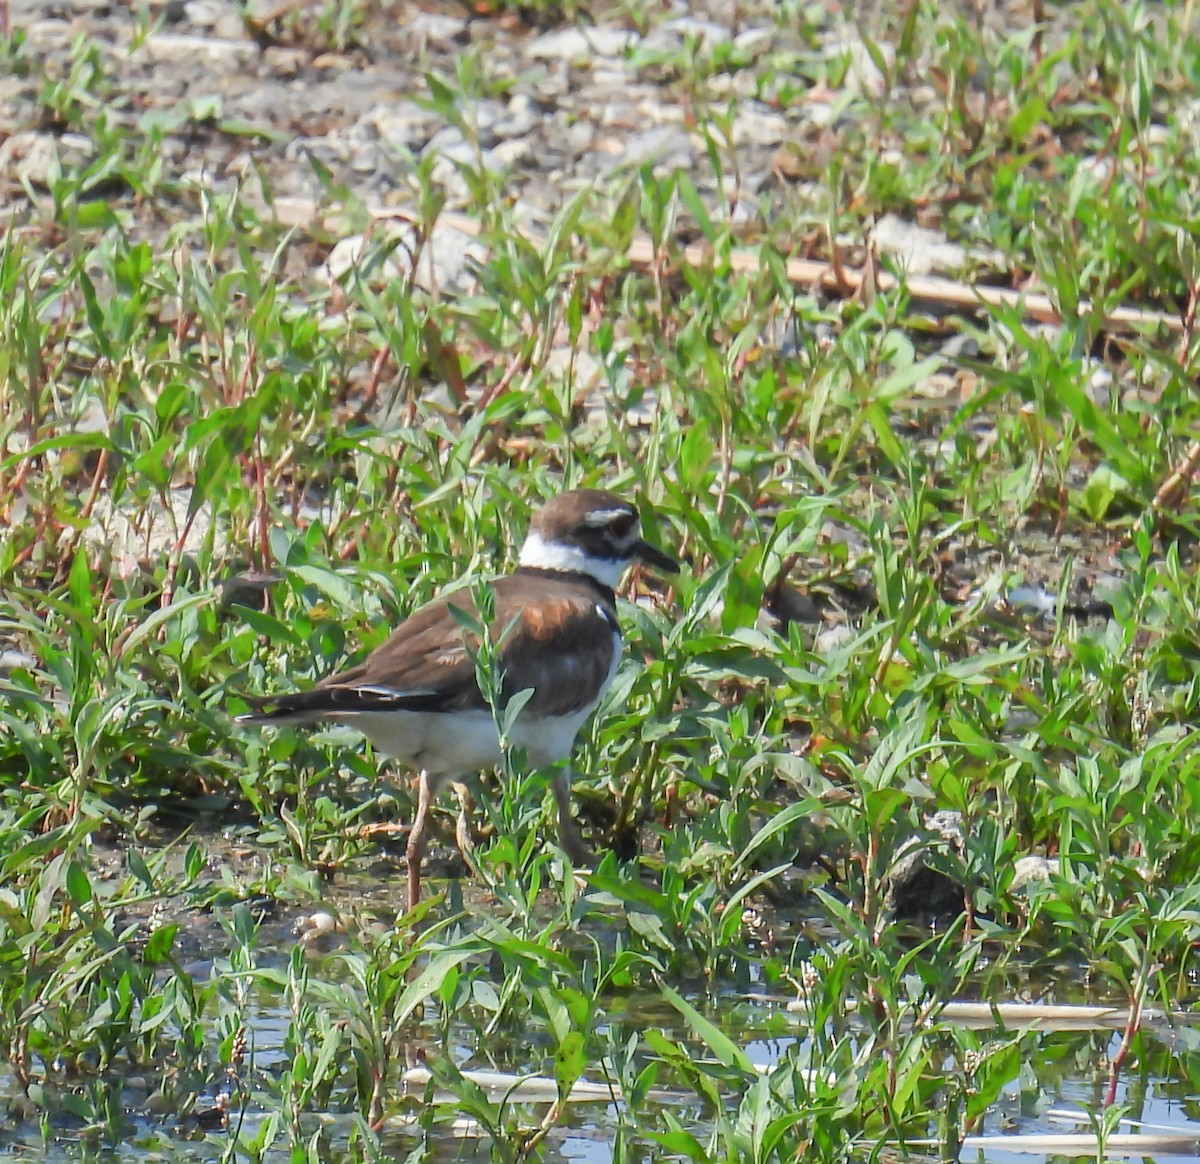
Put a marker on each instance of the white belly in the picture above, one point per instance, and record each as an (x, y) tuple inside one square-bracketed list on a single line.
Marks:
[(442, 745), (447, 745), (458, 743)]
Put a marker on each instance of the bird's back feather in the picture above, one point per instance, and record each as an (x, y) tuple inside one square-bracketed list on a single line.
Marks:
[(559, 638)]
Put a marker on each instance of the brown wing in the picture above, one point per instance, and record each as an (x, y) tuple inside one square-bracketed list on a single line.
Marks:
[(561, 645)]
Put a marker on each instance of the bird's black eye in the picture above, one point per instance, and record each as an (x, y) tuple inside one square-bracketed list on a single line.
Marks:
[(620, 526)]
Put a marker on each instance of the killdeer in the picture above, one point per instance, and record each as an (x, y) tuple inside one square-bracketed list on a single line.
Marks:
[(416, 697)]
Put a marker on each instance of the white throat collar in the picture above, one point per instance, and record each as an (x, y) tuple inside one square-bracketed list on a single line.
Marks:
[(539, 554)]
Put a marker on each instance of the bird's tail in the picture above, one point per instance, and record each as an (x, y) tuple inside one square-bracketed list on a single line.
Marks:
[(292, 707), (335, 701)]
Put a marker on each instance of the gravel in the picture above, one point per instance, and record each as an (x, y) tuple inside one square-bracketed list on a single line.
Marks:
[(543, 112)]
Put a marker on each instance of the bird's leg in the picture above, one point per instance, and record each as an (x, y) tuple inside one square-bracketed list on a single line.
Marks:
[(568, 833), (464, 834), (415, 850)]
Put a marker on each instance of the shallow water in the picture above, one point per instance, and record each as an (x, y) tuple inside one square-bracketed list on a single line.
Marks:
[(1064, 1073)]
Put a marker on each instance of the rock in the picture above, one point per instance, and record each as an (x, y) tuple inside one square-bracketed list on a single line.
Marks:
[(12, 659), (169, 11), (41, 159), (1098, 383), (1099, 169), (1031, 868), (217, 52), (668, 147), (830, 639), (580, 46), (922, 251), (579, 368), (520, 119), (505, 155), (335, 62), (206, 13), (229, 25), (368, 159), (673, 34), (783, 604), (755, 124), (1033, 602), (915, 889), (862, 73), (819, 114), (611, 82), (423, 29), (133, 539), (246, 588), (753, 39), (47, 35), (961, 346), (283, 61), (454, 152), (405, 124), (579, 137), (445, 263)]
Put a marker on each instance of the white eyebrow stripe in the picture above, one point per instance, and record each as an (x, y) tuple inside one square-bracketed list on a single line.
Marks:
[(601, 517)]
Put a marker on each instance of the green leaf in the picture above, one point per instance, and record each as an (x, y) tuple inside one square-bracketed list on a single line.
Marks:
[(79, 888), (719, 1043), (691, 199), (569, 1062), (430, 978), (1028, 116), (881, 425), (681, 1143), (743, 594), (158, 948), (79, 583), (880, 805), (161, 616), (139, 868), (95, 315), (695, 458), (340, 591), (276, 630), (1103, 487), (781, 822)]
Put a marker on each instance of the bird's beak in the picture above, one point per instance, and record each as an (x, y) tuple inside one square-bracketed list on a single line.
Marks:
[(643, 551)]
